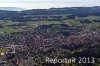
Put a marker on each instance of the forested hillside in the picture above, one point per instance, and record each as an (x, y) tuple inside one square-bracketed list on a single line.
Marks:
[(54, 13)]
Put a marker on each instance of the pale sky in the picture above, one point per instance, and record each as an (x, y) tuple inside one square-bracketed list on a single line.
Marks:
[(38, 4)]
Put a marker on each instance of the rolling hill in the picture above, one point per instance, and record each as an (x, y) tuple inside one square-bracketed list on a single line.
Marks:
[(55, 13)]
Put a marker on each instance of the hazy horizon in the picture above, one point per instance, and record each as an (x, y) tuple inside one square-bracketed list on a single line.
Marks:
[(46, 4)]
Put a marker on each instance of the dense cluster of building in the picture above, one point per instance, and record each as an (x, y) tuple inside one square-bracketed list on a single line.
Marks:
[(51, 40)]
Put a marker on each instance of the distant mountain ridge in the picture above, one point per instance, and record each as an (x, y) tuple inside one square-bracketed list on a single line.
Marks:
[(66, 10), (12, 9), (35, 13)]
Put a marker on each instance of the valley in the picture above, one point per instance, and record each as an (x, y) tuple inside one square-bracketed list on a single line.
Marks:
[(28, 37)]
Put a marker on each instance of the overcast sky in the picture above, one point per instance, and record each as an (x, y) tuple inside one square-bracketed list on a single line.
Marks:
[(38, 4)]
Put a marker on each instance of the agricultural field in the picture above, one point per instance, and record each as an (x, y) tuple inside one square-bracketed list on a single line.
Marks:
[(11, 26)]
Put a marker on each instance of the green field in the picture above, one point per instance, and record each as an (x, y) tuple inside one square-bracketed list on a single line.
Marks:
[(28, 26), (3, 50)]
